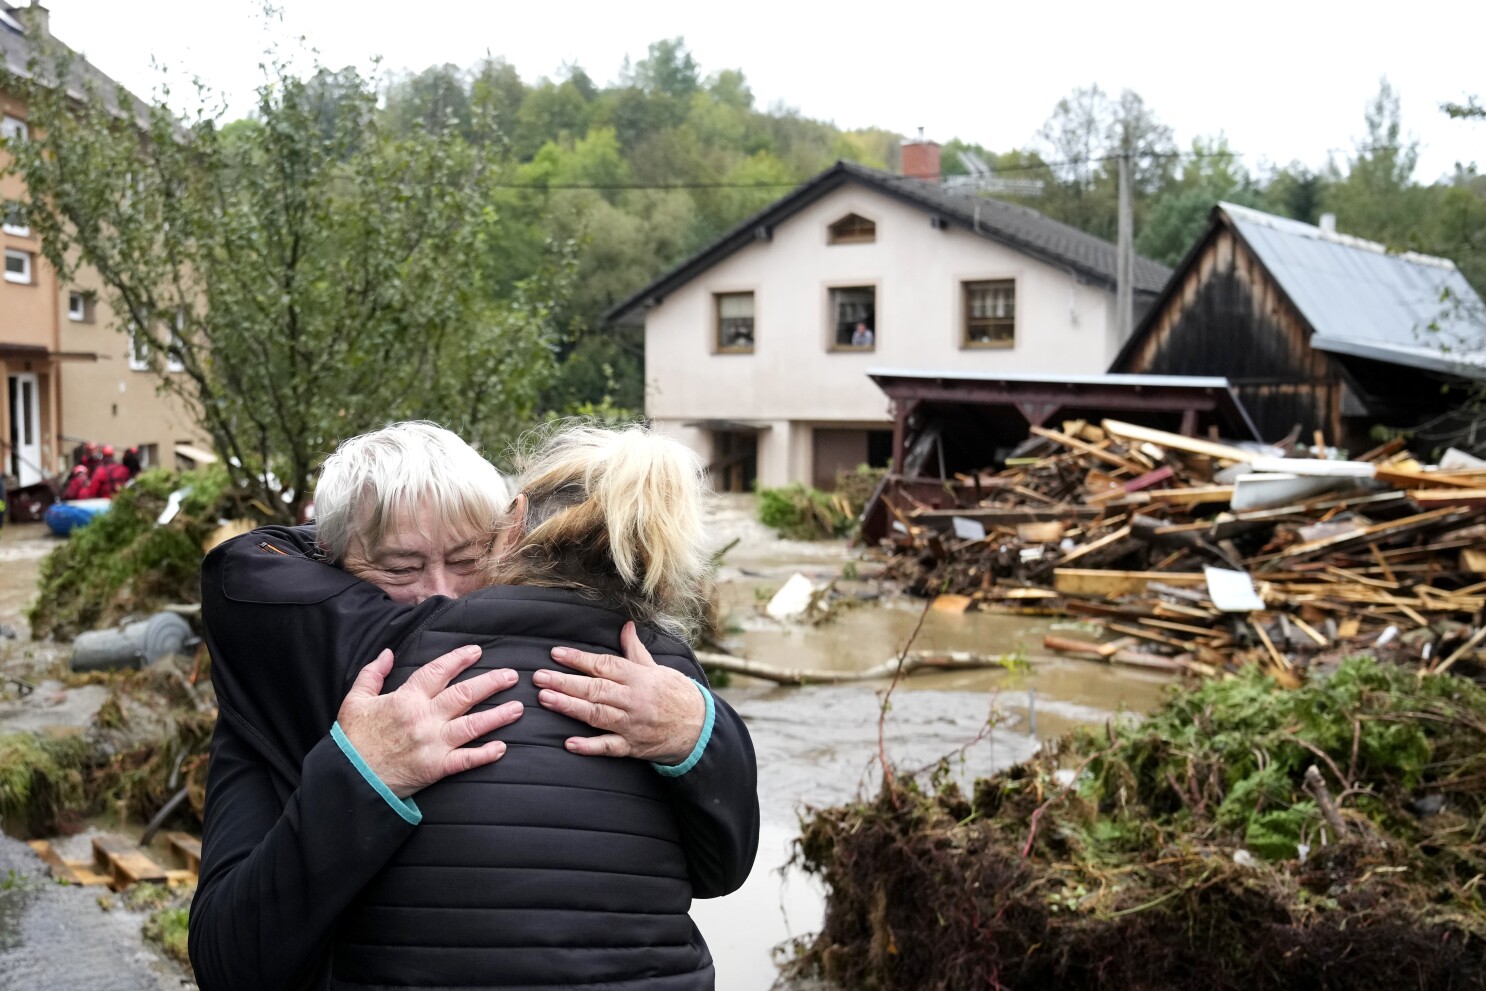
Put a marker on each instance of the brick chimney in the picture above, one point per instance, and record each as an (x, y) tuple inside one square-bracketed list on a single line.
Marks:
[(37, 19), (921, 159)]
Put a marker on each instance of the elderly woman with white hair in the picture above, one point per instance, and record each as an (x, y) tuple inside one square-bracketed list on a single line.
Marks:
[(545, 865)]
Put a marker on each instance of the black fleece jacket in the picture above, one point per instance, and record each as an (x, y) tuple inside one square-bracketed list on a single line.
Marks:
[(544, 870)]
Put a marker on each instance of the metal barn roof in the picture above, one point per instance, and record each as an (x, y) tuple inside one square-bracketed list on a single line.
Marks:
[(1361, 299)]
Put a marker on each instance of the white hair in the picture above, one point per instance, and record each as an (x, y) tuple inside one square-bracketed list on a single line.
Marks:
[(414, 466)]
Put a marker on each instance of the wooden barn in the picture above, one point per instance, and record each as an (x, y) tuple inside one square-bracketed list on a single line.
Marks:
[(1315, 329)]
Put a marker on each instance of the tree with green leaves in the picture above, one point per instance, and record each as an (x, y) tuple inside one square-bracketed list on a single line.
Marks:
[(299, 276)]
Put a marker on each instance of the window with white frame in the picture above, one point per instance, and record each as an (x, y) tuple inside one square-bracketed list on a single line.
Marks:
[(139, 350), (12, 128), (990, 314), (13, 219), (80, 306), (173, 362), (18, 266)]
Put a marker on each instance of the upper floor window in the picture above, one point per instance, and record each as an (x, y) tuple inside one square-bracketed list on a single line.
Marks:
[(852, 229), (990, 314), (12, 128), (13, 219), (174, 350), (17, 266), (139, 350), (854, 317), (80, 306), (735, 322)]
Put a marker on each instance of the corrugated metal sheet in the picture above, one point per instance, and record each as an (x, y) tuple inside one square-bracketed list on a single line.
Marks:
[(1361, 299)]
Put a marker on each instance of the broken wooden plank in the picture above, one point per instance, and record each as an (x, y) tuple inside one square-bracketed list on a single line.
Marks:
[(1280, 660), (1402, 478), (70, 871), (1113, 584), (1040, 533), (1176, 442), (1092, 450), (187, 847), (125, 862), (1428, 498)]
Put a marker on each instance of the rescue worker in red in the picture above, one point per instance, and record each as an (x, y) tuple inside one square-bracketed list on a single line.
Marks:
[(77, 483), (130, 460), (108, 478)]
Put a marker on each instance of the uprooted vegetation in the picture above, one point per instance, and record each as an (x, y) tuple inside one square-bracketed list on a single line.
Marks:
[(123, 562), (1185, 851), (148, 741), (799, 512)]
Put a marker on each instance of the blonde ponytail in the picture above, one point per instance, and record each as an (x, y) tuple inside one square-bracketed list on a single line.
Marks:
[(617, 513)]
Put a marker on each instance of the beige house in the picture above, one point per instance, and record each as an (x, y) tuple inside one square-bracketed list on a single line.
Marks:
[(69, 374), (757, 349)]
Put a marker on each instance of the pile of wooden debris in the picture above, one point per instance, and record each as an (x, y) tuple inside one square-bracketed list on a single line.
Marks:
[(1200, 556)]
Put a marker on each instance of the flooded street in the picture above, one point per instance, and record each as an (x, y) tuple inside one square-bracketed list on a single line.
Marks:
[(816, 746)]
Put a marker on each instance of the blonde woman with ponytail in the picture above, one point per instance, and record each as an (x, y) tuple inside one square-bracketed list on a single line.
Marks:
[(587, 783)]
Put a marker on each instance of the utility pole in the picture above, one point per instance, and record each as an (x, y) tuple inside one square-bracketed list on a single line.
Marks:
[(1125, 258)]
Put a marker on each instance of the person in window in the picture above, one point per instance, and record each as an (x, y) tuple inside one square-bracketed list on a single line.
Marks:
[(861, 337), (359, 836)]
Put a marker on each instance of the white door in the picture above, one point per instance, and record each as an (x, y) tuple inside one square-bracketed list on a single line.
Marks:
[(25, 428)]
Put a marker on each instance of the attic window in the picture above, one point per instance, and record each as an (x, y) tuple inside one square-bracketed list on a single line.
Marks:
[(852, 229)]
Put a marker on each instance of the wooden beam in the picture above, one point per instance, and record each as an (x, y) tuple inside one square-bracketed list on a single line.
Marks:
[(1176, 442), (1092, 450), (1109, 584)]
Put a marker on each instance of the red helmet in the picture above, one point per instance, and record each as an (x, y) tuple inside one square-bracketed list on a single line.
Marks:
[(90, 446), (108, 450), (79, 469)]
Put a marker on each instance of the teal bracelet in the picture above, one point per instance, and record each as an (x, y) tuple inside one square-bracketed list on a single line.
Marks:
[(676, 770), (402, 806)]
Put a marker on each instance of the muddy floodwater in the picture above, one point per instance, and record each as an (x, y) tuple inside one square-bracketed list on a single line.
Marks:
[(816, 745)]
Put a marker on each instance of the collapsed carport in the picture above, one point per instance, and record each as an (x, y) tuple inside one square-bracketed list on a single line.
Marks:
[(949, 426)]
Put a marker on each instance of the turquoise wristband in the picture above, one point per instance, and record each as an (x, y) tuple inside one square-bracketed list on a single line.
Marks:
[(676, 770), (402, 806)]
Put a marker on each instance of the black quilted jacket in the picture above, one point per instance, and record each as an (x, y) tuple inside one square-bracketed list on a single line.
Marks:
[(545, 870)]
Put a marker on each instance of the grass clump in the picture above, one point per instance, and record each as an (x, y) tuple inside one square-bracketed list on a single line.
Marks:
[(123, 563), (41, 783), (1173, 858), (166, 928)]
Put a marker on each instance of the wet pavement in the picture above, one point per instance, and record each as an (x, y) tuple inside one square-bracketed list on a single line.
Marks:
[(60, 939), (816, 745)]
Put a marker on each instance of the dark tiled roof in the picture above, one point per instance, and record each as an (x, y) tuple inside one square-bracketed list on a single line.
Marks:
[(1017, 227), (18, 50)]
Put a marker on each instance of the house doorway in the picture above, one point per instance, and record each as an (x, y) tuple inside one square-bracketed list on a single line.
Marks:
[(837, 450), (734, 466), (24, 443)]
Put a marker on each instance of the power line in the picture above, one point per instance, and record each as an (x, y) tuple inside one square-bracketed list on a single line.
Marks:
[(1027, 167)]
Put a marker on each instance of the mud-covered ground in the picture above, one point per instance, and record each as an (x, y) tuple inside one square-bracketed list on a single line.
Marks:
[(816, 745)]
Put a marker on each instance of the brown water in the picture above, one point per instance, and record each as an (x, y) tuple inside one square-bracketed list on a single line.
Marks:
[(819, 746)]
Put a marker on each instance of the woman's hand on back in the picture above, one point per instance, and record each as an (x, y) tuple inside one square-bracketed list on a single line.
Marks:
[(649, 711), (416, 735)]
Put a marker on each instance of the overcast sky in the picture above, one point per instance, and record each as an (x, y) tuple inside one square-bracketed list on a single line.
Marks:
[(1284, 80)]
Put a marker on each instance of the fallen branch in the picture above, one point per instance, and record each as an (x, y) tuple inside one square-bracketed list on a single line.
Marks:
[(955, 660)]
